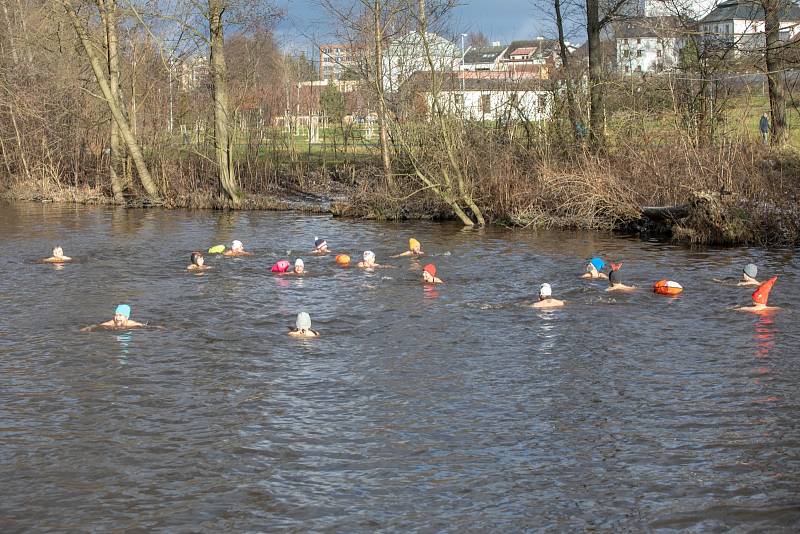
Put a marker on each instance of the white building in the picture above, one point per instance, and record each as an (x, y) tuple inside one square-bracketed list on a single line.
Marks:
[(648, 44), (738, 25), (410, 53), (484, 58), (689, 9), (492, 99), (338, 60)]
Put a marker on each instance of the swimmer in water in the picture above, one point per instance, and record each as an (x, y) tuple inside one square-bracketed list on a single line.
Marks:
[(594, 270), (320, 246), (761, 297), (749, 276), (546, 299), (429, 275), (237, 249), (299, 267), (303, 326), (198, 263), (121, 321), (615, 279), (414, 249), (57, 256), (369, 261)]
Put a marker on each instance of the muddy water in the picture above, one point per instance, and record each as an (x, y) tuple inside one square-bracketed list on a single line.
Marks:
[(454, 409)]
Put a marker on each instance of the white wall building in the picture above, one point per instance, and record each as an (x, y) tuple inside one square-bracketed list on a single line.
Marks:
[(407, 55), (489, 100), (648, 44), (738, 25)]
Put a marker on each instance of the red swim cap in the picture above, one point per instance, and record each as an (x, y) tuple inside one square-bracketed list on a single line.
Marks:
[(761, 294), (430, 269), (616, 266), (281, 266)]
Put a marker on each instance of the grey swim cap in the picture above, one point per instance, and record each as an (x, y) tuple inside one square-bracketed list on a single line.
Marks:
[(303, 321), (751, 270)]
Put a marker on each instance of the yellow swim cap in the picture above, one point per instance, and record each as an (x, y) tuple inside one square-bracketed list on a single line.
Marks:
[(413, 243)]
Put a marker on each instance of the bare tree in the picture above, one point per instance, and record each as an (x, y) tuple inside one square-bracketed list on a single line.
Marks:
[(773, 58), (108, 14)]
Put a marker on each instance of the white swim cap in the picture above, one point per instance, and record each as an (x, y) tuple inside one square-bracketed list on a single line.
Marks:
[(545, 290), (369, 256), (58, 252), (299, 263), (236, 244), (303, 321)]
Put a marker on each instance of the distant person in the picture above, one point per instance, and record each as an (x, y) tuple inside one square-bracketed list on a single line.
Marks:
[(237, 249), (198, 262), (429, 275), (763, 126), (761, 297), (594, 270), (546, 299), (57, 256), (121, 321), (299, 267), (414, 249), (368, 261), (320, 246), (615, 279), (749, 275), (303, 326)]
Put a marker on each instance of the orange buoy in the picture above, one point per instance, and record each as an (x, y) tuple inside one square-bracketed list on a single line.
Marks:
[(343, 259), (667, 287)]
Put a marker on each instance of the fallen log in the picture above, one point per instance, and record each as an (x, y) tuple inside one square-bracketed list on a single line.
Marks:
[(664, 213)]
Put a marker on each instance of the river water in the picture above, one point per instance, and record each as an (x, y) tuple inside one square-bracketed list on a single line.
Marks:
[(449, 409)]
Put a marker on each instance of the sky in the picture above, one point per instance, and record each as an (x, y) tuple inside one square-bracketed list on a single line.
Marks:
[(499, 20)]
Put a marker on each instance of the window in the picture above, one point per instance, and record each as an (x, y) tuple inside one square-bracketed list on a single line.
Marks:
[(624, 41), (638, 68), (486, 103), (627, 68), (658, 53), (638, 53), (638, 41), (626, 53)]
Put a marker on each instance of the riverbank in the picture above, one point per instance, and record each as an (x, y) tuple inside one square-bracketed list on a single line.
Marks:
[(749, 197)]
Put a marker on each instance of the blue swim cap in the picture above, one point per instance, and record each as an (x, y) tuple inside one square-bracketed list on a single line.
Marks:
[(598, 263), (123, 309)]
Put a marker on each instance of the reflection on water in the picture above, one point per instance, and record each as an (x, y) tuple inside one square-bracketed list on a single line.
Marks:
[(436, 408)]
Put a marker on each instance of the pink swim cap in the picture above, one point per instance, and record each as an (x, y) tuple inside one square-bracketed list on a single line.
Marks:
[(281, 266)]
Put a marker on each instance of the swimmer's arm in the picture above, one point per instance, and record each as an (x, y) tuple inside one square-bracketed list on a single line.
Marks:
[(402, 254), (586, 275)]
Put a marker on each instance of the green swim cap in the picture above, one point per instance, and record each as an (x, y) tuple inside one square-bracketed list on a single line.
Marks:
[(218, 249)]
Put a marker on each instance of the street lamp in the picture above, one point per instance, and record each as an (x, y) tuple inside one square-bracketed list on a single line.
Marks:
[(463, 54)]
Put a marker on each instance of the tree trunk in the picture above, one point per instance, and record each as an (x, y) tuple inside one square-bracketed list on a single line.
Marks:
[(382, 121), (228, 186), (9, 33), (108, 10), (572, 110), (773, 56), (113, 105), (593, 29)]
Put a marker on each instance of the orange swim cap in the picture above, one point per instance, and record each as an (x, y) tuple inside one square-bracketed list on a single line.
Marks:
[(761, 294), (430, 269), (342, 259), (616, 266)]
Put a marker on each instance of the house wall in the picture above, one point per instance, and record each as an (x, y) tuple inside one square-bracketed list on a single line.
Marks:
[(744, 34), (407, 55), (491, 105), (643, 56)]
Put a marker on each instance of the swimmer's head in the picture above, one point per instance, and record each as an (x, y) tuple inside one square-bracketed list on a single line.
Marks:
[(303, 321), (299, 266), (596, 263), (414, 245), (197, 259), (237, 246), (122, 314), (58, 252), (614, 277), (369, 256), (320, 245), (750, 270), (429, 272), (343, 259), (545, 291), (761, 294)]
